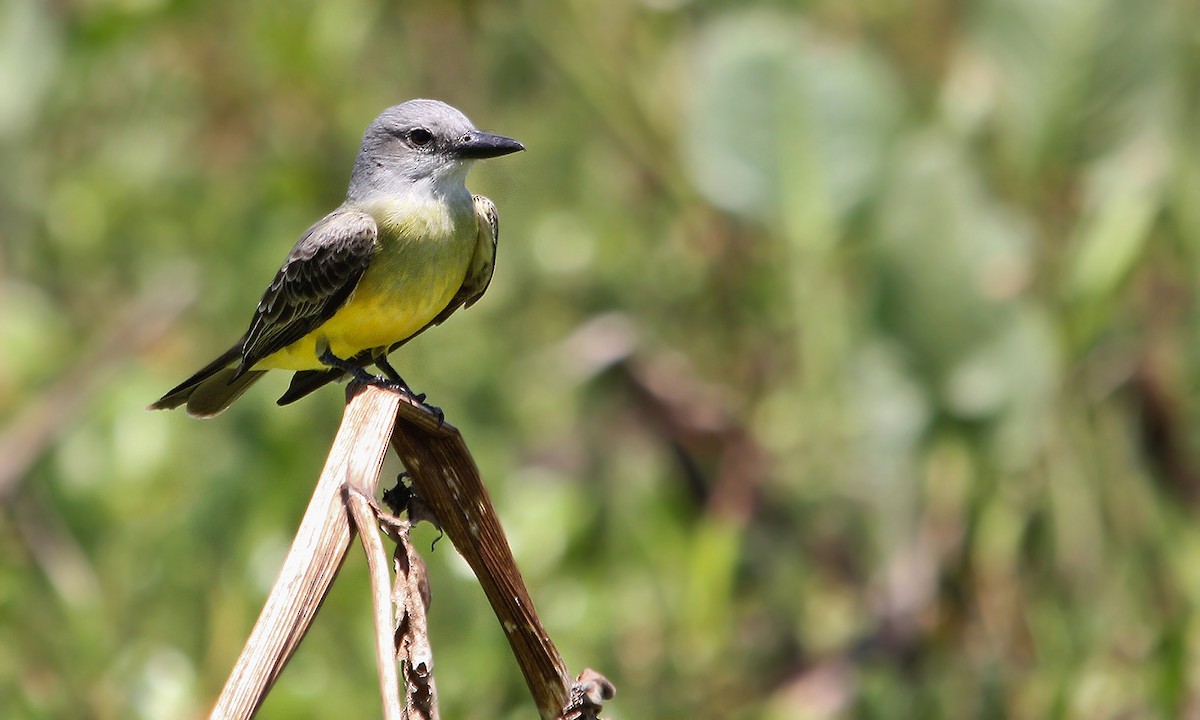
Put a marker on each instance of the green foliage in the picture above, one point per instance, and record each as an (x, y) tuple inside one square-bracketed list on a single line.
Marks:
[(840, 358)]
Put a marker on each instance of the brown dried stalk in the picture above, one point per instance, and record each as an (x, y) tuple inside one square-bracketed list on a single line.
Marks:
[(448, 483)]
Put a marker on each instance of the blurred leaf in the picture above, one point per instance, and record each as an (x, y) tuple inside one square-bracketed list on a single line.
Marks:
[(786, 124), (29, 59), (951, 259), (1124, 198)]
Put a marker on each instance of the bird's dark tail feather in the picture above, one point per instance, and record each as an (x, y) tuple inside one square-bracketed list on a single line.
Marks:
[(213, 388), (306, 381)]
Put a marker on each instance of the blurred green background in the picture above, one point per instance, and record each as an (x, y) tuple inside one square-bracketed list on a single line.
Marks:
[(840, 359)]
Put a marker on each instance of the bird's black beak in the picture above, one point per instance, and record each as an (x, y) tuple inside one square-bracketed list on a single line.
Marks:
[(477, 145)]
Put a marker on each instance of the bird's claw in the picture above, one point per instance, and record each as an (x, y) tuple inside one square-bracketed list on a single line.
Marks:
[(437, 412), (416, 399), (395, 384)]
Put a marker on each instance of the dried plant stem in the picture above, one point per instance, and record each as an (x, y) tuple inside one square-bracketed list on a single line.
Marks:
[(321, 545), (449, 486), (447, 480), (364, 516), (411, 596)]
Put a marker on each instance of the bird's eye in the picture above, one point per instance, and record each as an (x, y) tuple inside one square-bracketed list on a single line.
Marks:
[(420, 137)]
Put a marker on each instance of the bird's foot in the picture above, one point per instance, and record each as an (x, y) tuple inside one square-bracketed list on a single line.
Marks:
[(389, 372), (416, 398), (356, 371), (392, 382), (437, 412), (386, 368)]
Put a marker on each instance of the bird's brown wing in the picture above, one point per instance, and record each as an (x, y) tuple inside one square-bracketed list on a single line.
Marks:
[(478, 277), (318, 276)]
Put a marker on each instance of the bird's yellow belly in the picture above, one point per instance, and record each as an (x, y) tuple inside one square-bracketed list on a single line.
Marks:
[(407, 284), (374, 317)]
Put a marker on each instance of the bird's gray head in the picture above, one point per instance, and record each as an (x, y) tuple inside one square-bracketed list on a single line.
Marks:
[(421, 142)]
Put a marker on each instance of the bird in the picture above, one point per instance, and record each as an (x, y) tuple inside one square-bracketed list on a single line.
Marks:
[(408, 247)]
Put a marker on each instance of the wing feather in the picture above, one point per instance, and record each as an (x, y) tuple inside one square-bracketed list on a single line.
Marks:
[(478, 277), (317, 278)]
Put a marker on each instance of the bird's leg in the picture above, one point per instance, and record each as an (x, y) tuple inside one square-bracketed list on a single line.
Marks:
[(390, 373), (386, 368), (361, 375), (358, 372)]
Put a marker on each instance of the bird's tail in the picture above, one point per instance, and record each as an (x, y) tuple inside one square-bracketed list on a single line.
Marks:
[(306, 381), (213, 388)]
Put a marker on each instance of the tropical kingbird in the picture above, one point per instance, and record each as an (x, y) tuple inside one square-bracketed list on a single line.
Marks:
[(408, 247)]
